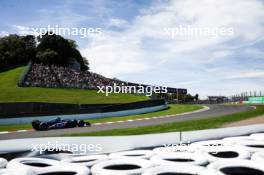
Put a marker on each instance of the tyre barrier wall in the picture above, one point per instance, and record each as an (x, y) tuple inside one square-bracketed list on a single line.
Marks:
[(92, 111), (149, 160)]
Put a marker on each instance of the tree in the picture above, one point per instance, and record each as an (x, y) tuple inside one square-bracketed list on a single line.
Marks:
[(52, 50), (196, 97), (72, 43), (47, 57), (66, 50), (16, 50)]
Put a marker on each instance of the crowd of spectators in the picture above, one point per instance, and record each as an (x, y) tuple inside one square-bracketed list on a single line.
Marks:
[(64, 77)]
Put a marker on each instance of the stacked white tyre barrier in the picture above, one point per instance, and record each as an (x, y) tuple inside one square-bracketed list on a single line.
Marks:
[(124, 166), (3, 163), (204, 145), (258, 157), (31, 163), (224, 153), (174, 148), (251, 146), (63, 169), (258, 136), (144, 154), (189, 169), (21, 171), (234, 140), (235, 167), (87, 161), (242, 155), (180, 158)]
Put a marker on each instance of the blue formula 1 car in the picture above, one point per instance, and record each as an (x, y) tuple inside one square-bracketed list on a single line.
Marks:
[(58, 123)]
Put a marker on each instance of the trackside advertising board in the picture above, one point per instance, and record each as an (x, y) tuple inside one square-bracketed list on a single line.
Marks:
[(255, 100)]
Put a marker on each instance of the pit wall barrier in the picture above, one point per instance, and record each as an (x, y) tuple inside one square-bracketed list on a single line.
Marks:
[(121, 143)]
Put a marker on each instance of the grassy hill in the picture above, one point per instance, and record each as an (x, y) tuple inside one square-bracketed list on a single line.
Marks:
[(10, 92)]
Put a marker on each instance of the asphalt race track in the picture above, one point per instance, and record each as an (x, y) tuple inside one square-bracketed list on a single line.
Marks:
[(214, 111)]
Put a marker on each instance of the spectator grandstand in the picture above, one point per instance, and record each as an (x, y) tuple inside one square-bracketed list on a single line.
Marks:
[(40, 75)]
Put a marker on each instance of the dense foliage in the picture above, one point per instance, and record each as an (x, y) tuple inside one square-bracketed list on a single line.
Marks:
[(51, 50), (16, 50)]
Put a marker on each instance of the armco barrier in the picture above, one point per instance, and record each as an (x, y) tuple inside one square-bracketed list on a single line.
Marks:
[(20, 109), (121, 143), (131, 111)]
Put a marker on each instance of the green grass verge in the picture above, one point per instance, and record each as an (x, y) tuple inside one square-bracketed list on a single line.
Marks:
[(180, 126), (15, 127), (10, 92), (174, 109)]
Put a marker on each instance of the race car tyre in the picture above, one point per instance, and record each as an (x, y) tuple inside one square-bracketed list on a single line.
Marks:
[(87, 161), (35, 124), (179, 159), (80, 123), (31, 163), (3, 162), (71, 124), (124, 166), (225, 153), (258, 157), (64, 169), (87, 124), (235, 167), (144, 154), (251, 146), (168, 169), (43, 127), (258, 136)]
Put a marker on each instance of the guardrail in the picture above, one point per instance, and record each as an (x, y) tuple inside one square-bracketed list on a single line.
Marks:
[(26, 109), (96, 111)]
